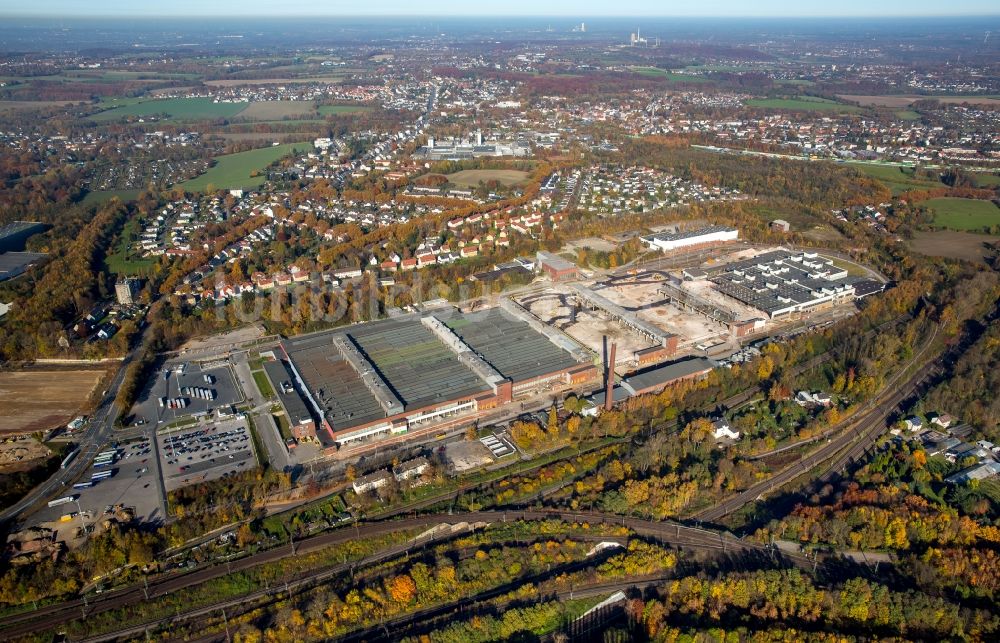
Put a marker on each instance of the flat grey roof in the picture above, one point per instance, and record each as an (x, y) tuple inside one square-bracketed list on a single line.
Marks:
[(687, 234), (413, 362), (14, 263), (660, 375), (555, 261), (419, 368), (292, 402), (508, 344), (343, 398)]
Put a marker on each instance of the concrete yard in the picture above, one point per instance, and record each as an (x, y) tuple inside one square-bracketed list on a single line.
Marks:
[(133, 484), (641, 296), (168, 383), (586, 327)]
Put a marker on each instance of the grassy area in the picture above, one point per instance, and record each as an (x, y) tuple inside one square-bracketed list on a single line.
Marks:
[(99, 197), (336, 110), (121, 261), (907, 115), (233, 170), (896, 178), (284, 427), (963, 214), (807, 104), (656, 72), (258, 446), (986, 180), (263, 385), (176, 109)]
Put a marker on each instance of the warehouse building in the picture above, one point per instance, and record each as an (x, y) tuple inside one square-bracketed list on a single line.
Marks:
[(556, 268), (393, 376), (300, 419), (652, 380), (707, 236)]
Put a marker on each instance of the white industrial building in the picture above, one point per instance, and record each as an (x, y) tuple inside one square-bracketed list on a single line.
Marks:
[(668, 241)]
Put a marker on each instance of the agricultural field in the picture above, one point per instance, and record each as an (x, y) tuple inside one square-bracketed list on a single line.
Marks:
[(42, 400), (11, 105), (336, 110), (952, 244), (278, 109), (963, 214), (804, 104), (97, 197), (234, 170), (176, 109), (908, 99), (471, 178), (896, 178)]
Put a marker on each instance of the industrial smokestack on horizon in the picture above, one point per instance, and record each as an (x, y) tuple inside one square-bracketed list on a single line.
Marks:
[(609, 383)]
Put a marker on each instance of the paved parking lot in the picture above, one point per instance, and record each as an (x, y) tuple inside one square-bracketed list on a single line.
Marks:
[(133, 484), (205, 452), (171, 384)]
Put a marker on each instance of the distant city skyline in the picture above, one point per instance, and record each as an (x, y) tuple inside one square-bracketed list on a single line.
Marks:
[(553, 8)]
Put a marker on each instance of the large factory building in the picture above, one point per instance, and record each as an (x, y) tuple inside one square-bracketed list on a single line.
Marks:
[(394, 376)]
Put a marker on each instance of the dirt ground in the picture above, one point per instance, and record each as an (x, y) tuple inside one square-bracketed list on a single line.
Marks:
[(237, 336), (20, 453), (471, 178), (42, 400), (952, 244), (594, 243), (278, 109)]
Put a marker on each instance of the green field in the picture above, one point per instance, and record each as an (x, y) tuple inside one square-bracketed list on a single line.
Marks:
[(963, 214), (177, 109), (669, 75), (908, 115), (336, 110), (233, 170), (986, 180), (803, 104), (101, 196), (896, 178), (263, 385)]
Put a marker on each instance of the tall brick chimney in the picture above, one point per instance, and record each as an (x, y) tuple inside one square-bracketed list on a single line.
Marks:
[(609, 383)]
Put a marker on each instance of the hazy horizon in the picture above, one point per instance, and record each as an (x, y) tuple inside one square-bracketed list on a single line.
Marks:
[(103, 9)]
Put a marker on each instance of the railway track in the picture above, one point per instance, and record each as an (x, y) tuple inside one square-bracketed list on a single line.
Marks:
[(673, 534)]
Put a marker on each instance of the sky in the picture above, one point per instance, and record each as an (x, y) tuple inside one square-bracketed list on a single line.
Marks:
[(568, 8)]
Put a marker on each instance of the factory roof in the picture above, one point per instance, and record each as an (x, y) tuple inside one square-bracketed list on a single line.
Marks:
[(688, 234), (662, 375), (511, 346)]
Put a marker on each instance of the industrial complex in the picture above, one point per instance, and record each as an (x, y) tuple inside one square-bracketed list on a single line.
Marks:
[(437, 369)]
